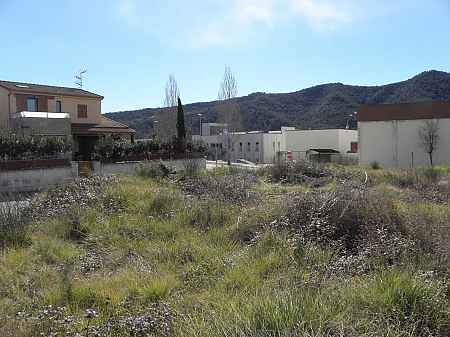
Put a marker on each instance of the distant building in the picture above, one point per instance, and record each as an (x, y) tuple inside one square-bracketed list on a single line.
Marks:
[(390, 133), (267, 147)]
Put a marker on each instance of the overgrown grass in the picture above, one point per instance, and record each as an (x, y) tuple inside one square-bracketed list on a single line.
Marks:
[(154, 257)]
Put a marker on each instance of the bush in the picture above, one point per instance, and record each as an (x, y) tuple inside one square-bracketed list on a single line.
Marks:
[(375, 165), (234, 187), (191, 167), (14, 219), (16, 146), (208, 214), (153, 170), (299, 171)]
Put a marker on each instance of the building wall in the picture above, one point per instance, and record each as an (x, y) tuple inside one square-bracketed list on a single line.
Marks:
[(396, 144), (69, 104), (346, 138), (4, 108), (304, 140), (272, 144)]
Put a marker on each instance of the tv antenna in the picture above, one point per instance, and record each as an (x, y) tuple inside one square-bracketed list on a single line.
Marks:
[(79, 78)]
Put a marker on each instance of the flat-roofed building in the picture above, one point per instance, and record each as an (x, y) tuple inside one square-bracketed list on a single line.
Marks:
[(390, 134)]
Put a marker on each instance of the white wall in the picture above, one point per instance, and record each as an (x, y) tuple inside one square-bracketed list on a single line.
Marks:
[(304, 140), (397, 143), (272, 144)]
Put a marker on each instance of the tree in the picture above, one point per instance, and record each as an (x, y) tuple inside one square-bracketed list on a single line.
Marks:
[(228, 109), (181, 129), (167, 118), (429, 137)]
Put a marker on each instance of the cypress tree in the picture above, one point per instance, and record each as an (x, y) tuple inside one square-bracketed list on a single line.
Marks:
[(181, 129)]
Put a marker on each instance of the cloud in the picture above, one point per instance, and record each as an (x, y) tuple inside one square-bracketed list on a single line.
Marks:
[(324, 14), (225, 23), (235, 23)]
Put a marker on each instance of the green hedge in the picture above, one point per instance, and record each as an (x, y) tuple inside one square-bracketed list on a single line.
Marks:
[(109, 149), (17, 146)]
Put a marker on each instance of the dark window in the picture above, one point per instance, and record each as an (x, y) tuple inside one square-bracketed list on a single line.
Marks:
[(58, 106), (32, 104), (82, 111), (257, 147), (240, 147), (249, 147)]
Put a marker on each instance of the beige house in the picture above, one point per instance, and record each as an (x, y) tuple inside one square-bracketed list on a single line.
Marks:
[(43, 101)]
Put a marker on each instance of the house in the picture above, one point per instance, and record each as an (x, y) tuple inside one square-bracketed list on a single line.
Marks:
[(51, 108), (266, 147), (392, 134)]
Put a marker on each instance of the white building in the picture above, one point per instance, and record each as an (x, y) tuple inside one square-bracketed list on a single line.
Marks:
[(390, 134), (266, 147)]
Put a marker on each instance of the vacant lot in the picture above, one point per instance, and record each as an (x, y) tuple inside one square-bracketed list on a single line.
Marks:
[(291, 251)]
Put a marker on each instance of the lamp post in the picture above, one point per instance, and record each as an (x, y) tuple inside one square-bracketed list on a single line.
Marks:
[(200, 117)]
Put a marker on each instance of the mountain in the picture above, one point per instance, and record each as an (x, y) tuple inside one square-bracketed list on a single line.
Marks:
[(322, 106)]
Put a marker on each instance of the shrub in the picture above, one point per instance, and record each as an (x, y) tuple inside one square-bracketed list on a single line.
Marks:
[(375, 165), (400, 178), (18, 146), (191, 167), (431, 174), (405, 299), (208, 214), (14, 220), (235, 187), (299, 171), (153, 170), (163, 204)]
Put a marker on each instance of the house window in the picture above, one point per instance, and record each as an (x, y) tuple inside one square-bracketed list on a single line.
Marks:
[(240, 147), (58, 106), (82, 111), (257, 147), (278, 146), (273, 146), (32, 104), (232, 147), (249, 147)]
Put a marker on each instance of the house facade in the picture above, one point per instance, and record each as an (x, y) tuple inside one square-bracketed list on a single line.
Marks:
[(391, 134), (46, 105)]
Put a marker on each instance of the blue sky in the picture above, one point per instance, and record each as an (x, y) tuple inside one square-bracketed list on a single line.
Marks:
[(131, 46)]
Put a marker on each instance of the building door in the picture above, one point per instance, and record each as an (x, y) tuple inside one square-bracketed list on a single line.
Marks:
[(86, 145)]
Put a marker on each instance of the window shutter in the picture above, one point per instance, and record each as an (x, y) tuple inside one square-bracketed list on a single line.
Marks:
[(82, 111), (21, 103), (42, 104)]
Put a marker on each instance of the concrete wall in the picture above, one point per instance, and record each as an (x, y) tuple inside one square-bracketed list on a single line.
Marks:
[(35, 180), (397, 143), (45, 126), (127, 168), (335, 139), (273, 143)]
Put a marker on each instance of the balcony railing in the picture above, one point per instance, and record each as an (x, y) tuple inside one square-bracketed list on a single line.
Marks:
[(35, 114)]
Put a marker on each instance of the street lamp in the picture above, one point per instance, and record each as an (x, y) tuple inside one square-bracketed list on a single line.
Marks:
[(200, 117)]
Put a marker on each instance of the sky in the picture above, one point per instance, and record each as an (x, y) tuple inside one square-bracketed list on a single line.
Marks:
[(130, 47)]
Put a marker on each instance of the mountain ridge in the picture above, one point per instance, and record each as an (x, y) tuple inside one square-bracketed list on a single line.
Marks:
[(322, 106)]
